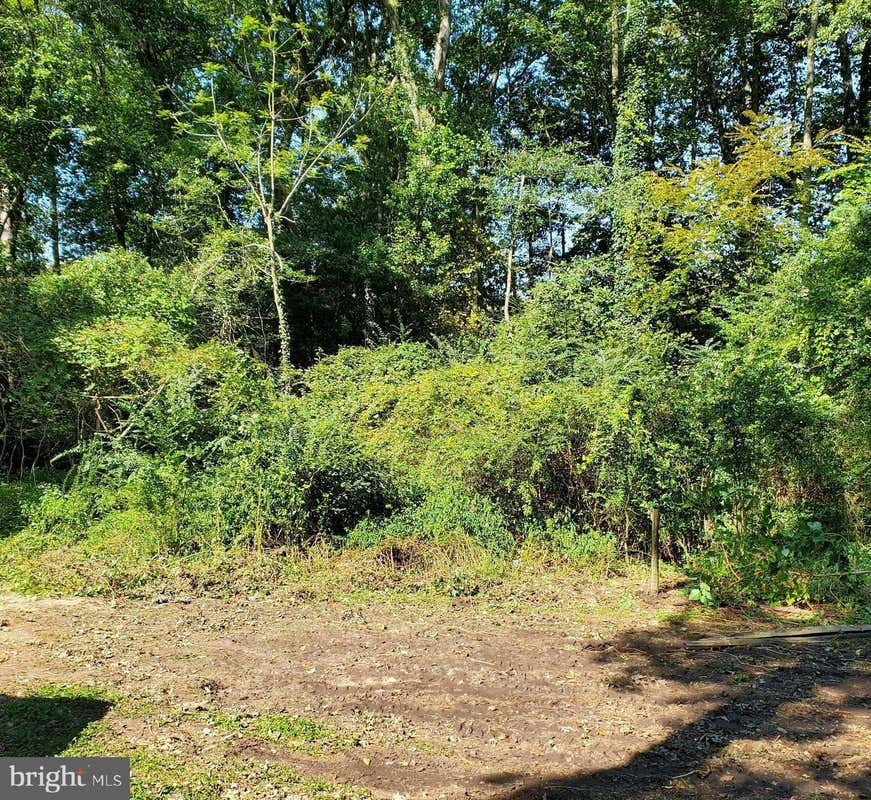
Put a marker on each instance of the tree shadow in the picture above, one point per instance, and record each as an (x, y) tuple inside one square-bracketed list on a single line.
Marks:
[(45, 726), (763, 705)]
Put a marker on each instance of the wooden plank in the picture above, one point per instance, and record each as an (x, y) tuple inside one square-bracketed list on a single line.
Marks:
[(796, 635)]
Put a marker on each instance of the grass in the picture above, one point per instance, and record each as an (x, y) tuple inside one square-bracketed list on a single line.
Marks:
[(51, 719), (298, 733), (157, 776), (60, 720), (16, 496), (394, 570), (119, 555)]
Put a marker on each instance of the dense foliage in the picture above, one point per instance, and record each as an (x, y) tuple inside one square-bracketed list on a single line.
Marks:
[(503, 276)]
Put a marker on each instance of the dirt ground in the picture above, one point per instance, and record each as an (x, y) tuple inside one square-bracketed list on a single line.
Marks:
[(466, 700)]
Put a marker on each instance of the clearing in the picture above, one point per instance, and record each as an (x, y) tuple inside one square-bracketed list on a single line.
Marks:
[(273, 696)]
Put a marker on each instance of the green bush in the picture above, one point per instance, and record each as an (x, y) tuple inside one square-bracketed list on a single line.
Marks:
[(475, 425), (442, 517), (560, 538), (290, 477), (18, 497), (778, 554), (553, 437), (71, 340), (117, 283)]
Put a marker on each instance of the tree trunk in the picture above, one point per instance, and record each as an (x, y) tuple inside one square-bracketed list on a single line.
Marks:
[(653, 583), (509, 279), (807, 137), (404, 64), (7, 203), (631, 113), (275, 270), (807, 133), (55, 226), (715, 106), (708, 526), (368, 315), (283, 326), (121, 235), (509, 267), (14, 216), (753, 74), (120, 219), (615, 62), (440, 51), (849, 96), (754, 81), (864, 94)]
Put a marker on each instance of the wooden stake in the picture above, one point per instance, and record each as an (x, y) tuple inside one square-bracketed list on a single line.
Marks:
[(653, 586)]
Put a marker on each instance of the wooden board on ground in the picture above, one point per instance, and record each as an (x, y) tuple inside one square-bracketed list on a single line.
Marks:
[(790, 635)]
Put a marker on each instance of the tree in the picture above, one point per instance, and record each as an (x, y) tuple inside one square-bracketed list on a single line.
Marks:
[(808, 112), (532, 186), (292, 126)]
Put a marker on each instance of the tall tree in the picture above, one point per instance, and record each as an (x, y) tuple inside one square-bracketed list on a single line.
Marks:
[(292, 126), (808, 109)]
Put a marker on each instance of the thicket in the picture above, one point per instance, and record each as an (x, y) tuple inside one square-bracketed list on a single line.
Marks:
[(559, 431), (310, 293)]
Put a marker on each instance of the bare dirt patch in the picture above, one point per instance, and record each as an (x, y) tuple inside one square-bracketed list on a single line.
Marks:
[(439, 700)]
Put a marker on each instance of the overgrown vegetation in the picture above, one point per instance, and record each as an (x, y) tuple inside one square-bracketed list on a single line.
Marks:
[(301, 293)]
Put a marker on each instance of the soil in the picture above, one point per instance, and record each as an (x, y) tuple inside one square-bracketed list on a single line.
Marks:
[(466, 699)]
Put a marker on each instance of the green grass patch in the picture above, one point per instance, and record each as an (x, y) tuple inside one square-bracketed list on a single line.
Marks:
[(155, 776), (290, 731), (68, 720), (51, 720)]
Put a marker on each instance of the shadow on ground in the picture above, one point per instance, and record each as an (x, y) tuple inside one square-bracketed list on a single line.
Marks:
[(45, 726), (767, 703)]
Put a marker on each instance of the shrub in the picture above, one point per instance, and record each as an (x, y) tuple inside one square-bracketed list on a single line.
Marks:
[(53, 331), (18, 497), (116, 283), (343, 382), (560, 538), (291, 476), (474, 425), (442, 517), (778, 553)]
